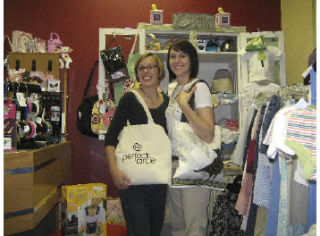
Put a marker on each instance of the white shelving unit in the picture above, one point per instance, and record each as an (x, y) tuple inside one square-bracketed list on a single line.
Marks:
[(209, 62)]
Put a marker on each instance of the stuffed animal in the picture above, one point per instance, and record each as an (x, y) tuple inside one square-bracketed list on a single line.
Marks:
[(65, 58)]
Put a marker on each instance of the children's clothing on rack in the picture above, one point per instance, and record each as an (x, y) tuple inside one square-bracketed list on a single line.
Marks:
[(278, 155), (251, 97)]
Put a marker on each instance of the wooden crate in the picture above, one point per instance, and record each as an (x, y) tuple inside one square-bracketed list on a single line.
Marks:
[(31, 184)]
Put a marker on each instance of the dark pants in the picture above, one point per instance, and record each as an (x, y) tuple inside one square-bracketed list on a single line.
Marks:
[(144, 209)]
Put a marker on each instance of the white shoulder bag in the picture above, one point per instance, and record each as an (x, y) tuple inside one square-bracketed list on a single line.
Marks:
[(144, 151)]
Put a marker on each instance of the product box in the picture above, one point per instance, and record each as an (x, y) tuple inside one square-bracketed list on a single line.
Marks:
[(114, 212), (83, 210)]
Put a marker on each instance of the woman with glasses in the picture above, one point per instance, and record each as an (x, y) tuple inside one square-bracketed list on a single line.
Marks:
[(188, 206), (143, 205)]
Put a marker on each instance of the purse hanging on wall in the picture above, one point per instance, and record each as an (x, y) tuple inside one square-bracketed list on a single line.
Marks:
[(114, 65), (121, 87), (84, 110), (112, 58)]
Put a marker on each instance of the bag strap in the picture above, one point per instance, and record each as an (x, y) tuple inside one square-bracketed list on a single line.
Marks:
[(144, 105), (112, 41), (90, 78), (9, 41), (191, 101)]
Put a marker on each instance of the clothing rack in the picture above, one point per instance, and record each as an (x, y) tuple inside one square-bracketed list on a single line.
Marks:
[(294, 92)]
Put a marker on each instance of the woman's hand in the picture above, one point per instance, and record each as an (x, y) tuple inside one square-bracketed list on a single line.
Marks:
[(120, 180), (184, 97)]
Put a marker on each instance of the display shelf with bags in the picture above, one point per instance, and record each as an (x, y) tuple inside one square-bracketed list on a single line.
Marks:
[(33, 86), (37, 116)]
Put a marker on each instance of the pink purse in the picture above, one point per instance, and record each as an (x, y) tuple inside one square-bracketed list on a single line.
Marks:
[(54, 43)]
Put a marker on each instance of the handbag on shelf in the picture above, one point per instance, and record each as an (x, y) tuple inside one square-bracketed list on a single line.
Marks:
[(144, 151), (197, 158), (22, 42), (84, 111), (54, 42)]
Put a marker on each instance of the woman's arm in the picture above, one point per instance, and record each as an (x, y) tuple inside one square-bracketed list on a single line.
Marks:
[(201, 120), (120, 180)]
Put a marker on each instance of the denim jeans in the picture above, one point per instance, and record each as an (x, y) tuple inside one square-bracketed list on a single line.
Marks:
[(144, 209)]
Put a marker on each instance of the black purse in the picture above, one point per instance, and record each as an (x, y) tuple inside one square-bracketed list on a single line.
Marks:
[(84, 111), (113, 59)]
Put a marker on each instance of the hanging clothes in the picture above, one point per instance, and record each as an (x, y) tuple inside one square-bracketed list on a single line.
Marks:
[(252, 97)]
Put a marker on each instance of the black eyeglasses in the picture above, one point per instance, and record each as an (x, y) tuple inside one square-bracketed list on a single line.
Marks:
[(149, 67)]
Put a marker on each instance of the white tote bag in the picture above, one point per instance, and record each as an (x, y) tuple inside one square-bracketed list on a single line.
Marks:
[(194, 153), (144, 152)]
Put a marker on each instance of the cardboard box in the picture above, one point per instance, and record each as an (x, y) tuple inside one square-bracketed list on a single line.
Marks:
[(84, 209)]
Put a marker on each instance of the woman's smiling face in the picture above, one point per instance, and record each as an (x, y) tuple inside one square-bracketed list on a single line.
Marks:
[(179, 62), (148, 71)]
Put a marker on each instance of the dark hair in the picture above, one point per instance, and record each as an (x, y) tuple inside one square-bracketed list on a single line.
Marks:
[(159, 64), (185, 46)]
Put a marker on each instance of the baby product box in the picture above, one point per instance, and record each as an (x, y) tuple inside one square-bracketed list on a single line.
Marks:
[(83, 210)]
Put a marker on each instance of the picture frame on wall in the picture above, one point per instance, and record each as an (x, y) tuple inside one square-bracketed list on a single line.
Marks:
[(223, 19), (156, 17)]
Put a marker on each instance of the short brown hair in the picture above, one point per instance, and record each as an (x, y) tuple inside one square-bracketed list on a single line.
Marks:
[(185, 46), (159, 64)]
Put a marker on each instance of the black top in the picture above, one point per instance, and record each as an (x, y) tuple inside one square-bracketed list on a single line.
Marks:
[(129, 108)]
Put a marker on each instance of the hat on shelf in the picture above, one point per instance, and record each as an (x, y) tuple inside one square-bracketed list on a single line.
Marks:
[(222, 81)]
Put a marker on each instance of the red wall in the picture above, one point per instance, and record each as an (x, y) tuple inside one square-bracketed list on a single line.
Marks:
[(77, 22)]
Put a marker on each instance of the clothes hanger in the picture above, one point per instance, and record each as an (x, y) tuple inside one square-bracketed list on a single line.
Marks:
[(301, 104)]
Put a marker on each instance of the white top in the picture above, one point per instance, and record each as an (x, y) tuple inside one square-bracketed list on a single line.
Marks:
[(174, 112), (202, 98), (257, 71)]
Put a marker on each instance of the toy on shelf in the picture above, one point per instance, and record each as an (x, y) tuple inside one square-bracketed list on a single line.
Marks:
[(154, 43), (65, 58), (156, 16), (222, 18)]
